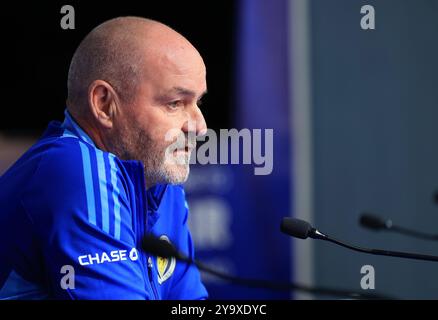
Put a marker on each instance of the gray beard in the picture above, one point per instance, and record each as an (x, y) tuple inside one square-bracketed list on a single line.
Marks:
[(132, 143)]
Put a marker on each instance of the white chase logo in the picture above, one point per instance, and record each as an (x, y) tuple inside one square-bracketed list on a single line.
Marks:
[(113, 256)]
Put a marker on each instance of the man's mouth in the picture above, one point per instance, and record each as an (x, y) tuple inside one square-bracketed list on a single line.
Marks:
[(189, 147), (186, 150)]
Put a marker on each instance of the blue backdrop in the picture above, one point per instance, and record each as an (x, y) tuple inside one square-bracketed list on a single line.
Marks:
[(235, 215)]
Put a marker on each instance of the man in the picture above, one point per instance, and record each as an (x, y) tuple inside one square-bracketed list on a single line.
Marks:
[(75, 207)]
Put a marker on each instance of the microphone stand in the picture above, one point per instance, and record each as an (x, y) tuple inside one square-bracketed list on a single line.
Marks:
[(315, 234)]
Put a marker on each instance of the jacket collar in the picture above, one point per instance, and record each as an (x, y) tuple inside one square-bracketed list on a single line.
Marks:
[(154, 194), (72, 127)]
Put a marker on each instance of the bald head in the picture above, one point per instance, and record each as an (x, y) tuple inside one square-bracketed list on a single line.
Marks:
[(118, 51), (134, 85)]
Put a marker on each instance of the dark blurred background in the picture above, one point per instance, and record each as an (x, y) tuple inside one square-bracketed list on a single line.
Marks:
[(39, 51), (354, 114)]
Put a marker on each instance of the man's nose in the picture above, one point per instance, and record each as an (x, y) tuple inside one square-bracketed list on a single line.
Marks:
[(195, 123)]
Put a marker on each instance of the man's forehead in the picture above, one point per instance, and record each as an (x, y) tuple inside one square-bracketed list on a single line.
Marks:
[(187, 81), (176, 68), (187, 91), (165, 83), (182, 64)]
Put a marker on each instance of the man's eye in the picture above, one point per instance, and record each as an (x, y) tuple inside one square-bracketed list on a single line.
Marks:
[(176, 104)]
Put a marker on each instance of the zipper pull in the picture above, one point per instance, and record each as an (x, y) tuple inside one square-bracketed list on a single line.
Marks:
[(150, 265)]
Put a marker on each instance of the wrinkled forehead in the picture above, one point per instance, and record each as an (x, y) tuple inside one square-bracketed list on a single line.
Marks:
[(181, 61), (182, 67)]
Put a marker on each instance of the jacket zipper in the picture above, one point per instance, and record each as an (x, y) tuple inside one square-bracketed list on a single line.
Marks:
[(142, 221), (151, 278), (148, 283)]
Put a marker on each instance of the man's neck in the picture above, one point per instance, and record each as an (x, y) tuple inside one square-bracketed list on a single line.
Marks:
[(91, 131)]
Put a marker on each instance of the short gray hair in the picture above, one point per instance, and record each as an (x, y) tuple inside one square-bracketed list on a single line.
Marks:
[(110, 52)]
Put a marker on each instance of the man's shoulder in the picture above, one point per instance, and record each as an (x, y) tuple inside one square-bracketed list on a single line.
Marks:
[(75, 181), (46, 179), (60, 157), (44, 160), (70, 164), (57, 169)]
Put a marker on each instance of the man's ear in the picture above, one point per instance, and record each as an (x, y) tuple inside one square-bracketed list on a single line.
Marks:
[(103, 101)]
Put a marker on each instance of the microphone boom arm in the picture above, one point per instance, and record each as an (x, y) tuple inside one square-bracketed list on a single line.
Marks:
[(315, 234), (379, 252)]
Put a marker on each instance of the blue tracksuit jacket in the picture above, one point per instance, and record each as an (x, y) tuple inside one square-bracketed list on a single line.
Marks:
[(71, 222)]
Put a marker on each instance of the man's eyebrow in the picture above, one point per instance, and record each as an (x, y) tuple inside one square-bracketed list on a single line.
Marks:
[(187, 92)]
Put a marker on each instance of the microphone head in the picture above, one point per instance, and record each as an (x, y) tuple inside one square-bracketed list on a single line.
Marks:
[(158, 247), (296, 228), (435, 197), (373, 222)]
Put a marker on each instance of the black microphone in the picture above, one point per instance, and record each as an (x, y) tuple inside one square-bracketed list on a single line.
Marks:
[(435, 197), (376, 223), (162, 248), (303, 230)]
